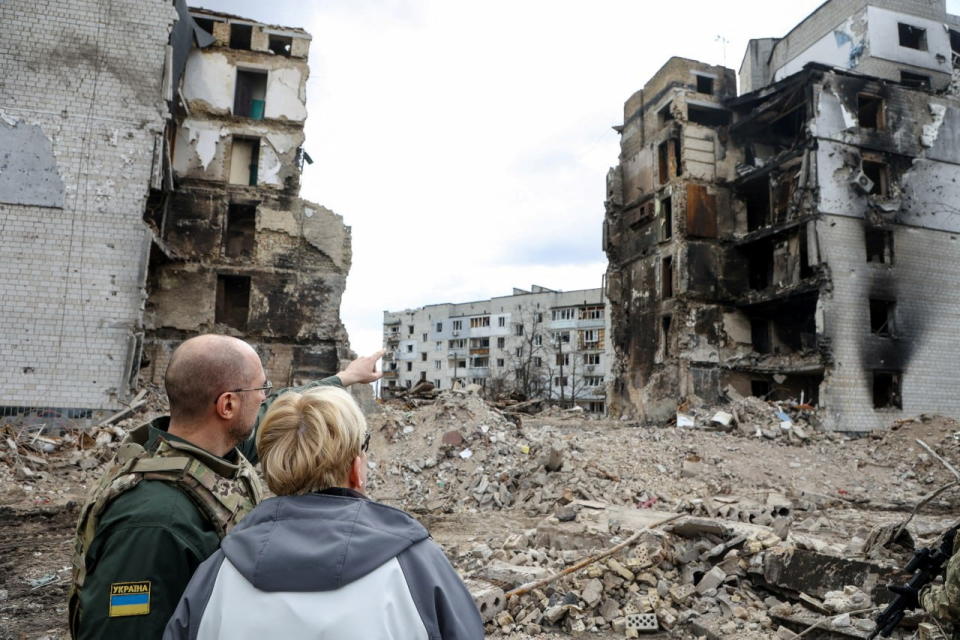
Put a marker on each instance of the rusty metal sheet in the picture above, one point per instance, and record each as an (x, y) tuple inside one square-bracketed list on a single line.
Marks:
[(701, 212)]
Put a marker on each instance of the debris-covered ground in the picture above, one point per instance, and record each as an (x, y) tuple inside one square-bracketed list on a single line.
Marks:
[(744, 522)]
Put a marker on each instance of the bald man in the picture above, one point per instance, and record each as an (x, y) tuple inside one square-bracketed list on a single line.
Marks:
[(175, 488)]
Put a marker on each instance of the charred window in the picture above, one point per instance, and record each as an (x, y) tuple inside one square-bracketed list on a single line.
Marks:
[(756, 195), (760, 335), (240, 36), (233, 301), (240, 230), (665, 114), (879, 174), (665, 334), (705, 85), (663, 158), (250, 94), (915, 80), (666, 277), (708, 116), (666, 209), (882, 316), (912, 37), (879, 244), (870, 111), (887, 393), (760, 265), (760, 388)]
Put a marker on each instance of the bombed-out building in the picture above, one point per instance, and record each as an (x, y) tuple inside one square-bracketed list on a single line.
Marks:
[(149, 175), (235, 249), (798, 240)]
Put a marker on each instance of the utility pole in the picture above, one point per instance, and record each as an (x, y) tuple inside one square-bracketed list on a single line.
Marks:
[(560, 362)]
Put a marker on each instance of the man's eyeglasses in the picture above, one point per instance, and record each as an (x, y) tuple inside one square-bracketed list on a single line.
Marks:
[(366, 443), (265, 388)]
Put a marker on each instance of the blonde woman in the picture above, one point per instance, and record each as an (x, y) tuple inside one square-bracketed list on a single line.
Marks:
[(321, 560)]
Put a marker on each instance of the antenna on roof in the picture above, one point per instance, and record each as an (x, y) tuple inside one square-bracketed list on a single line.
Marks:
[(723, 47)]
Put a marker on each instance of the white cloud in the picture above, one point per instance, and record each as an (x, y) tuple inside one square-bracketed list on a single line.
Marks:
[(467, 143)]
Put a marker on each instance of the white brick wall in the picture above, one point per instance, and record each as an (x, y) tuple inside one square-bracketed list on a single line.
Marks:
[(71, 278), (923, 281)]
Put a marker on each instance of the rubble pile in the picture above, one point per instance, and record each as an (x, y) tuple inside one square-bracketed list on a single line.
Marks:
[(788, 421)]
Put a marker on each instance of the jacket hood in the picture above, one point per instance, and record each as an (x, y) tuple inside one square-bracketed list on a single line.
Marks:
[(317, 542)]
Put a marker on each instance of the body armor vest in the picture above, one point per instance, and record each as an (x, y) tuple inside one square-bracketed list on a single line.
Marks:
[(223, 492)]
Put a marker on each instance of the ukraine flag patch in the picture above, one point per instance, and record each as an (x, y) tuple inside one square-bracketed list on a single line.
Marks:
[(129, 599)]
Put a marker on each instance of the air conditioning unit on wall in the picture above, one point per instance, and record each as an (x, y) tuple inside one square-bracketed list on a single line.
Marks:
[(861, 182)]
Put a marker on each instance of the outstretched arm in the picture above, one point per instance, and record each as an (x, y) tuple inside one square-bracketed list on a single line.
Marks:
[(362, 370)]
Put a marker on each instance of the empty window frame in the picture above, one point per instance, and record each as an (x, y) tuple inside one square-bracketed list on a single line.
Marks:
[(666, 219), (879, 173), (501, 343), (666, 277), (870, 111), (592, 381), (233, 301), (409, 348), (480, 361), (882, 317), (887, 390), (760, 335), (665, 114), (915, 80), (567, 313), (561, 337), (240, 36), (705, 85), (668, 157), (240, 231), (591, 359), (560, 381), (482, 321), (204, 23), (912, 37), (708, 116), (879, 244), (409, 366), (244, 158), (500, 362), (250, 94), (410, 329), (439, 327), (280, 45), (423, 356), (479, 343), (458, 344), (591, 313), (537, 340), (665, 322)]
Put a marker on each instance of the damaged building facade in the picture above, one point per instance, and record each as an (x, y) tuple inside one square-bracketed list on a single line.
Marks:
[(540, 342), (148, 192), (798, 240), (235, 249)]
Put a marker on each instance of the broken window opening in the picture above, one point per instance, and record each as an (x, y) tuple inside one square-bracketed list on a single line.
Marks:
[(244, 158), (915, 80), (760, 335), (204, 23), (280, 45), (664, 335), (707, 116), (233, 301), (240, 231), (760, 266), (663, 156), (791, 125), (912, 37), (756, 196), (705, 85), (760, 388), (887, 390), (409, 366), (879, 243), (665, 114), (879, 174), (240, 36), (666, 277), (675, 160), (882, 317), (806, 269), (782, 195), (666, 208), (250, 94), (955, 45), (870, 112)]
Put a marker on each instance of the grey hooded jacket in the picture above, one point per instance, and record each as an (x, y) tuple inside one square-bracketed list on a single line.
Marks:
[(331, 565)]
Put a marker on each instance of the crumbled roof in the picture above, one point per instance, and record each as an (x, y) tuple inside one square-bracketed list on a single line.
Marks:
[(200, 11)]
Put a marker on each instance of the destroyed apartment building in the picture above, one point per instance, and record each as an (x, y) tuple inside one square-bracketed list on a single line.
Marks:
[(149, 187), (798, 240), (539, 343)]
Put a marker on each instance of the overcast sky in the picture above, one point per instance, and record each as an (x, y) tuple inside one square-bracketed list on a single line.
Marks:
[(467, 143)]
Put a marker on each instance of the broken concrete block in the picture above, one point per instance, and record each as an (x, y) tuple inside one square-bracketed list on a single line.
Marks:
[(722, 418), (512, 574), (489, 598), (817, 573), (711, 580), (592, 592)]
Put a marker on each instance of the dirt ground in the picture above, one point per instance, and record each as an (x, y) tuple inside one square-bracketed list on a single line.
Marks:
[(840, 488)]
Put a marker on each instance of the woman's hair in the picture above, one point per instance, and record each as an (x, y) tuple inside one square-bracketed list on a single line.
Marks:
[(308, 441)]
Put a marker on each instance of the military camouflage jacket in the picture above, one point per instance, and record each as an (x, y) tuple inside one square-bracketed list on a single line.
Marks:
[(943, 601)]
